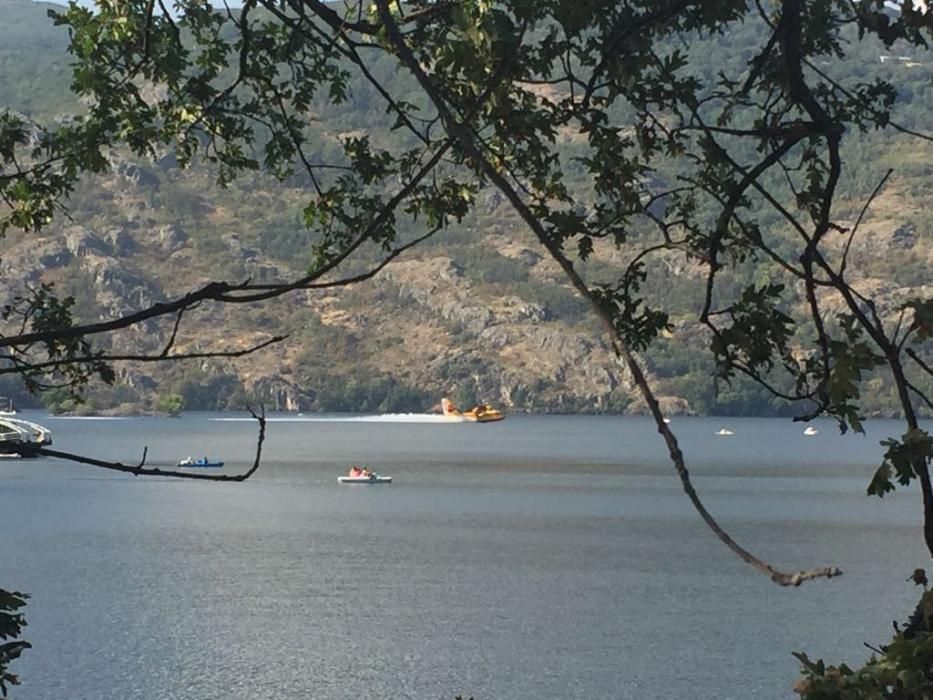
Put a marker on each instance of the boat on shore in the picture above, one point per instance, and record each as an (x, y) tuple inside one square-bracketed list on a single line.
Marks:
[(482, 413), (203, 463)]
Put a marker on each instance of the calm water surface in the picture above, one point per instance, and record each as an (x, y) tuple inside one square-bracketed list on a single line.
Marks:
[(538, 558)]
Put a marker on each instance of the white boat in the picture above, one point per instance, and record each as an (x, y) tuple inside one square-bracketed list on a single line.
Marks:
[(723, 432), (374, 479), (15, 432), (810, 430)]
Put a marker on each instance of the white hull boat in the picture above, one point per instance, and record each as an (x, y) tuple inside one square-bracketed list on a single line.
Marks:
[(15, 432), (374, 479)]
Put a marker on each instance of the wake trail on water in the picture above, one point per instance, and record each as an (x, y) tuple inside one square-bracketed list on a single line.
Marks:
[(385, 418), (87, 418)]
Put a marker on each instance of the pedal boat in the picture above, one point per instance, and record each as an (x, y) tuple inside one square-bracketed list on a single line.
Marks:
[(203, 463), (373, 479)]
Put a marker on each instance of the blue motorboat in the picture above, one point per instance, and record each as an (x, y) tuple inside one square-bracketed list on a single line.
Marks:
[(203, 463)]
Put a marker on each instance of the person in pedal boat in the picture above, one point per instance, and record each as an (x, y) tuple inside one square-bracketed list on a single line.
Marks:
[(355, 472)]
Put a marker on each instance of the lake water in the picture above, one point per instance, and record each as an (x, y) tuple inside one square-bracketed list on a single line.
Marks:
[(538, 558)]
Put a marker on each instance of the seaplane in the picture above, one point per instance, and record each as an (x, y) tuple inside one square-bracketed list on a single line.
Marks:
[(483, 413)]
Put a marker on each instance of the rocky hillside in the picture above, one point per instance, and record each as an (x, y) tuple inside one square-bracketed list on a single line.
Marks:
[(443, 320), (479, 315)]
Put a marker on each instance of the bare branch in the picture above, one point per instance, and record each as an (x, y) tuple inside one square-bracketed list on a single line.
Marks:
[(19, 365), (29, 450), (221, 291), (912, 354), (920, 394), (363, 276), (875, 192), (209, 291), (171, 339)]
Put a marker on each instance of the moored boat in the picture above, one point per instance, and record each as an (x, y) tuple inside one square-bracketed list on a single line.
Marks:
[(17, 436)]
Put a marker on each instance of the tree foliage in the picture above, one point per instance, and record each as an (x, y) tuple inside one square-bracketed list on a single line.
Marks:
[(171, 404), (12, 622), (514, 96), (899, 670), (739, 168)]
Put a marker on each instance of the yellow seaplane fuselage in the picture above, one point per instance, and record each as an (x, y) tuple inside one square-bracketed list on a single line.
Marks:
[(482, 413)]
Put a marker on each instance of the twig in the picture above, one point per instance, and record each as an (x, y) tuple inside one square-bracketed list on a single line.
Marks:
[(845, 252), (912, 354)]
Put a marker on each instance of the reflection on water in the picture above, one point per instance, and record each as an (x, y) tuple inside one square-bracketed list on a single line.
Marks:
[(542, 557)]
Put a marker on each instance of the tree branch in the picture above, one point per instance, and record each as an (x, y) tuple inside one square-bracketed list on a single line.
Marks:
[(912, 354), (467, 142), (29, 450), (19, 365), (871, 198)]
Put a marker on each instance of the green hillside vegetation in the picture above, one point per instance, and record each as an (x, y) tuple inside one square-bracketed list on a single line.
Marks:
[(475, 313), (34, 67)]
